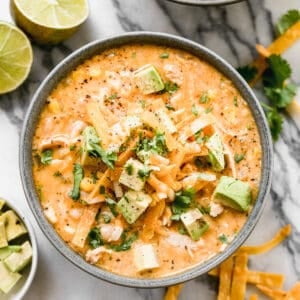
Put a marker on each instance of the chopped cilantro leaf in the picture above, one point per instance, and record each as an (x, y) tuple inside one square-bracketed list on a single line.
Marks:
[(106, 218), (126, 242), (182, 202), (94, 238), (195, 110), (278, 71), (287, 20), (223, 238), (102, 189), (112, 204), (208, 110), (281, 97), (46, 157), (204, 98), (169, 107), (73, 147), (247, 72), (157, 144), (235, 101), (171, 87), (57, 174), (78, 175), (164, 55), (144, 173), (275, 121), (181, 229), (93, 147), (143, 103), (129, 169), (94, 177), (238, 157), (112, 97)]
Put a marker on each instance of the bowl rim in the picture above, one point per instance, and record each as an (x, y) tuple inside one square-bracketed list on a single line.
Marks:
[(205, 2), (34, 261), (75, 59)]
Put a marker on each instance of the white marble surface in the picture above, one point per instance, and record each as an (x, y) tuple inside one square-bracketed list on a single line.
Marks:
[(232, 32)]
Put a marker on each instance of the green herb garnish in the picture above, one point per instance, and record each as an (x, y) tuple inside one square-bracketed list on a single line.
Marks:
[(183, 200), (93, 147), (169, 107), (247, 72), (157, 144), (129, 169), (102, 189), (126, 242), (171, 87), (57, 174), (287, 20), (78, 175), (46, 157), (164, 55), (204, 98), (94, 238), (223, 238), (112, 204), (195, 110), (144, 173), (106, 218), (238, 157)]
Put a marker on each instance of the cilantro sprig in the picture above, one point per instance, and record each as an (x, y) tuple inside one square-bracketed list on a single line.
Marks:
[(287, 20)]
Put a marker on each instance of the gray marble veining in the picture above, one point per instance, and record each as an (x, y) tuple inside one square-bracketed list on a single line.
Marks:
[(232, 32)]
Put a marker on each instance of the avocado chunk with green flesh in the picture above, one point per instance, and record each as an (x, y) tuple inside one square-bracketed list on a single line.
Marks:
[(233, 193), (216, 152), (3, 239), (133, 205), (7, 279), (148, 80), (193, 223), (7, 251), (17, 261), (2, 203), (13, 225)]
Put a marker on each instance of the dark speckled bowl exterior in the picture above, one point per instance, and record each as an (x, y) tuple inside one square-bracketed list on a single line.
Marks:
[(205, 2), (67, 65)]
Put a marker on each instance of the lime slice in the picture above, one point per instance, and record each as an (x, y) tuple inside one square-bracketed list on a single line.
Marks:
[(15, 57), (49, 21)]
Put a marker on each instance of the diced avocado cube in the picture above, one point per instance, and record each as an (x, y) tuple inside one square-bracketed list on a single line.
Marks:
[(216, 152), (133, 204), (7, 279), (233, 193), (13, 225), (2, 203), (193, 223), (130, 175), (6, 251), (17, 261), (148, 80), (3, 239), (145, 258)]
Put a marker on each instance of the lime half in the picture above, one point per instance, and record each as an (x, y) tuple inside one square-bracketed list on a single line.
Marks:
[(15, 57), (49, 21)]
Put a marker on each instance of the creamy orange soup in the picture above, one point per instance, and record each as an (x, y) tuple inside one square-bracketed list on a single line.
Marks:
[(147, 160)]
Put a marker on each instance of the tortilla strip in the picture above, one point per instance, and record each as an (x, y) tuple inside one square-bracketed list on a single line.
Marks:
[(282, 234), (173, 292), (84, 226), (294, 292), (124, 156), (253, 297), (104, 181), (239, 279), (281, 44), (151, 218), (98, 121), (226, 269), (273, 294), (272, 280)]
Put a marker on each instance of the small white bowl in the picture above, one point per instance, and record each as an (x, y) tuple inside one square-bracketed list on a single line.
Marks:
[(23, 285)]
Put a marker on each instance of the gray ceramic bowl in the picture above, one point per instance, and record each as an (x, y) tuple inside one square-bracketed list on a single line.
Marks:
[(69, 64), (205, 2)]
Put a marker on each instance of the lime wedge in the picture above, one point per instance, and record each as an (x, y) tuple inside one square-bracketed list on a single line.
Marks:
[(15, 57), (49, 21)]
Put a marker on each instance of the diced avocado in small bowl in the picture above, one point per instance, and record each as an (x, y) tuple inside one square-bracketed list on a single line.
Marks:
[(18, 252)]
